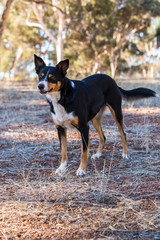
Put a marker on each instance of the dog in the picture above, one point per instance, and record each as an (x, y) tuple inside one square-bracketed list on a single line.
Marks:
[(74, 103)]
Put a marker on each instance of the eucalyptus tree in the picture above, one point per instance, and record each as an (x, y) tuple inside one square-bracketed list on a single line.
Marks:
[(4, 17), (50, 17), (104, 29), (96, 35)]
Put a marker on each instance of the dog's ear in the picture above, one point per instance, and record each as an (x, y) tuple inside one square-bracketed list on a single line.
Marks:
[(63, 66), (39, 63)]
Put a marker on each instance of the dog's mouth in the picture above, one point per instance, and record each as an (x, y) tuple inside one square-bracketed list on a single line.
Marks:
[(45, 92)]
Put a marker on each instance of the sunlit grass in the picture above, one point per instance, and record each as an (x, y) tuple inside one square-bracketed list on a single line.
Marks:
[(117, 197)]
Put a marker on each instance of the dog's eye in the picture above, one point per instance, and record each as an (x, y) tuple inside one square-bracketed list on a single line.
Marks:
[(42, 75), (50, 76)]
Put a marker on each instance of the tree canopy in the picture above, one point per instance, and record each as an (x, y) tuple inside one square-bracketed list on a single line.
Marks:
[(114, 37)]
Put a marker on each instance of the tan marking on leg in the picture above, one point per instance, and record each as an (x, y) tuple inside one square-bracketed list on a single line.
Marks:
[(63, 165), (84, 159), (75, 122), (55, 124), (97, 123), (120, 127), (63, 148)]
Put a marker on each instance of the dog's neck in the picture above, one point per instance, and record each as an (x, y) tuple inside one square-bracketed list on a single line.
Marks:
[(53, 96), (60, 95)]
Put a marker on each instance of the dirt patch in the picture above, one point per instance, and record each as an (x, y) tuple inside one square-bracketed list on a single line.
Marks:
[(117, 199)]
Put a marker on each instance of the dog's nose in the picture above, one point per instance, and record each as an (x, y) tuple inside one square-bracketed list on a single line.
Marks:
[(41, 86)]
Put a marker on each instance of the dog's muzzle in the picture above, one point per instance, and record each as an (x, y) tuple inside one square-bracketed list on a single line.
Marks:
[(41, 88)]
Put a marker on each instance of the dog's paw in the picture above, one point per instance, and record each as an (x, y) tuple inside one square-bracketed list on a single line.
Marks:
[(80, 172), (96, 155), (125, 156), (62, 168)]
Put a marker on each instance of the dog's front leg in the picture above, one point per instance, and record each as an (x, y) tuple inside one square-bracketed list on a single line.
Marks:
[(63, 143), (84, 151)]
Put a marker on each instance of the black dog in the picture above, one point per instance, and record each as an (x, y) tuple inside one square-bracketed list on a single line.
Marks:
[(75, 103)]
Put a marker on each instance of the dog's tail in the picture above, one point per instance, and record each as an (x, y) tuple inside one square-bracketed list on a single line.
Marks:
[(137, 93)]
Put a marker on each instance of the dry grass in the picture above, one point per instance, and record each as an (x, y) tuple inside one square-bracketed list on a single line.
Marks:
[(117, 199)]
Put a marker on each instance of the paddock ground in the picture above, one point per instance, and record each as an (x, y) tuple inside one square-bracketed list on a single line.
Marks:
[(117, 199)]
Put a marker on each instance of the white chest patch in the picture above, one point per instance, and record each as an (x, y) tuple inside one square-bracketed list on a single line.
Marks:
[(61, 117)]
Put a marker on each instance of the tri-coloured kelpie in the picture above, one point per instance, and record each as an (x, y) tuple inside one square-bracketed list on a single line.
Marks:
[(74, 103)]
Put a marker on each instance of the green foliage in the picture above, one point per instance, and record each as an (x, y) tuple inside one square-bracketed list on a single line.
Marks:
[(98, 34)]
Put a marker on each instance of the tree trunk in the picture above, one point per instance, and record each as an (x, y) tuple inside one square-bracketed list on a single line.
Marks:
[(4, 17), (60, 37), (113, 63), (19, 53), (61, 30)]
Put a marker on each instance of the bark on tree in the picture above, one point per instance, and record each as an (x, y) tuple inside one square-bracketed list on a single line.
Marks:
[(113, 62), (4, 17), (14, 69), (60, 38)]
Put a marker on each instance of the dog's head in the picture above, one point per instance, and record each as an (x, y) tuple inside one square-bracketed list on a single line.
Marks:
[(50, 78)]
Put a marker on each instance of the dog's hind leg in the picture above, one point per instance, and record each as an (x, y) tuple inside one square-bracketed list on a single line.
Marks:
[(97, 123), (63, 143), (118, 117)]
